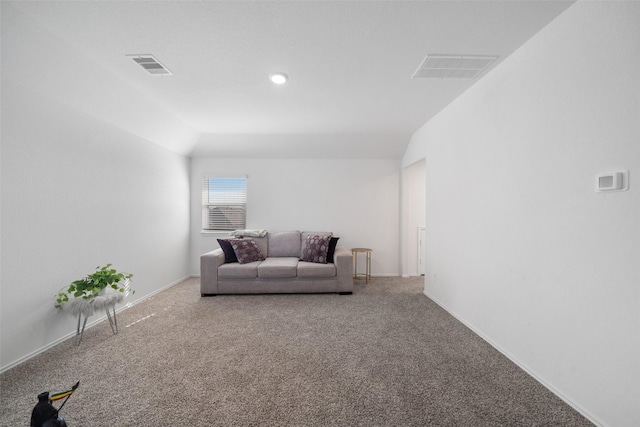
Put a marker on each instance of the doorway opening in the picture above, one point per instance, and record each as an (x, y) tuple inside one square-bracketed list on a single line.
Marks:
[(414, 231)]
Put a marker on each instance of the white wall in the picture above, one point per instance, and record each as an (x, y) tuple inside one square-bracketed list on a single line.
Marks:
[(77, 192), (520, 246), (356, 199)]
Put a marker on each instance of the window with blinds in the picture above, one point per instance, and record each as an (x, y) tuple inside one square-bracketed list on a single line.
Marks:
[(224, 203)]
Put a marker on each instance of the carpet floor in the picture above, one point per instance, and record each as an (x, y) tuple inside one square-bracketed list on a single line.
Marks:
[(384, 356)]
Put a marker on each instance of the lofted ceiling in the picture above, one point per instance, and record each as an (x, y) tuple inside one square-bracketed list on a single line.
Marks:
[(350, 64)]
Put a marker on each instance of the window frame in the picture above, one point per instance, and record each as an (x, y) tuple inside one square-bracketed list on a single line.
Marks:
[(235, 204)]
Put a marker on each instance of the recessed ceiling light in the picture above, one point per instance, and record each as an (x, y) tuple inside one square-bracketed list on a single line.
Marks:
[(279, 78)]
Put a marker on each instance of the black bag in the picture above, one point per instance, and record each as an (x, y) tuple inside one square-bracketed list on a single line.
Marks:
[(44, 414)]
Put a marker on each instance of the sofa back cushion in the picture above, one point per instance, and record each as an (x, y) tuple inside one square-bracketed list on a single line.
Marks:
[(284, 244), (262, 244)]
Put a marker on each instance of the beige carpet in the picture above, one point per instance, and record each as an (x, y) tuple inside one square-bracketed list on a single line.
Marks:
[(384, 356)]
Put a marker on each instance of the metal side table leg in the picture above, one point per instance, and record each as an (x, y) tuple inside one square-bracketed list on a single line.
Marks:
[(113, 320), (79, 331)]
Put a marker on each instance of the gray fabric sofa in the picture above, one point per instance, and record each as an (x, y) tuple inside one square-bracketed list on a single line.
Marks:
[(281, 271)]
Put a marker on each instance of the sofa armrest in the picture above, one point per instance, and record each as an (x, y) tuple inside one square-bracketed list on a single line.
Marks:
[(209, 264), (343, 260)]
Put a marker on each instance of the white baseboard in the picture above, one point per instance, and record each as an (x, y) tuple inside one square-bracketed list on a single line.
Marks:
[(89, 325), (157, 291), (521, 365)]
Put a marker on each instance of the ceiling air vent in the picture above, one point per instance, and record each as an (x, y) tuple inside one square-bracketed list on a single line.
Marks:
[(438, 66), (151, 65)]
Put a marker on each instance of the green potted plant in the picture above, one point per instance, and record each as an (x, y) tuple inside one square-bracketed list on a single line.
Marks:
[(94, 284)]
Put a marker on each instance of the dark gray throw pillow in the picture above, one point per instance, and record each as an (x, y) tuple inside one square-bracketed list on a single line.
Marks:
[(229, 253), (332, 248)]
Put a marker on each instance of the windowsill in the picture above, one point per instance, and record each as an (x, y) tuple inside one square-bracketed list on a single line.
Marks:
[(215, 232)]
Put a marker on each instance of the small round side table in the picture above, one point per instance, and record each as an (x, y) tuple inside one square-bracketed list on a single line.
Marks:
[(367, 273)]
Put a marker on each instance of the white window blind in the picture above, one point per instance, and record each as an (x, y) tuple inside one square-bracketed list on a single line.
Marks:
[(224, 203)]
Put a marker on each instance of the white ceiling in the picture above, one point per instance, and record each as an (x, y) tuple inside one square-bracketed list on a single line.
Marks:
[(350, 92)]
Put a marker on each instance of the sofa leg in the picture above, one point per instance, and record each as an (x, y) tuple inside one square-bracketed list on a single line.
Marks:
[(345, 293)]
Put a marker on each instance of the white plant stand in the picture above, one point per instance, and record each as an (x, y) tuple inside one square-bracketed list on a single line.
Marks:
[(87, 307)]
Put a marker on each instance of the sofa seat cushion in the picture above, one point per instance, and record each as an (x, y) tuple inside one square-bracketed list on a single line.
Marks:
[(315, 270), (278, 267), (239, 271)]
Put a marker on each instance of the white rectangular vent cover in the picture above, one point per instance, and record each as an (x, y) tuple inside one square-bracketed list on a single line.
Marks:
[(445, 66), (151, 64)]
